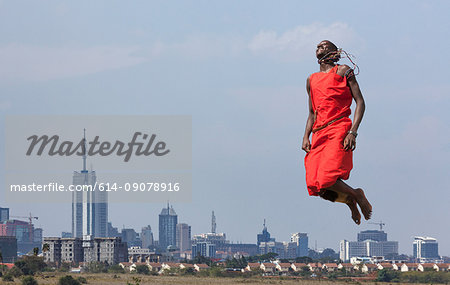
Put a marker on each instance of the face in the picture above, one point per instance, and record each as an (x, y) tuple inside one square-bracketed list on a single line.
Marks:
[(323, 48)]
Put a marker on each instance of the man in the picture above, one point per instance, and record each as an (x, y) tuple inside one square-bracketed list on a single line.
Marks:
[(328, 159)]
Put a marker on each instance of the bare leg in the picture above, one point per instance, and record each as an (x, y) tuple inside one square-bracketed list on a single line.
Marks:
[(355, 194), (343, 198), (356, 216)]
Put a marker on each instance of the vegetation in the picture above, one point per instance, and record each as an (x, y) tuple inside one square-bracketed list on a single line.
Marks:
[(29, 265), (68, 280), (142, 269), (29, 280)]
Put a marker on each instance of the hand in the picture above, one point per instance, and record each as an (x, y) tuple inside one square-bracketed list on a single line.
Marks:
[(306, 145), (350, 142)]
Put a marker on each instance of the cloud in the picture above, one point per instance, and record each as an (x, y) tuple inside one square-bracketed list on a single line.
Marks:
[(38, 63), (299, 42), (21, 62)]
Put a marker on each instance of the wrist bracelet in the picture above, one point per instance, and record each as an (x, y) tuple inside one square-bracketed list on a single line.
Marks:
[(353, 133)]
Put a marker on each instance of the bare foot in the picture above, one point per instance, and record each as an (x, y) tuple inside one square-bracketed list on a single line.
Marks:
[(356, 216), (363, 203)]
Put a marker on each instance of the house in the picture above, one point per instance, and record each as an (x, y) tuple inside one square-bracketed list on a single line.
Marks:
[(347, 267), (283, 267), (268, 267), (408, 267), (298, 266), (315, 266), (154, 266), (170, 265), (186, 265), (368, 267), (136, 264), (126, 265), (252, 266), (385, 265), (426, 267), (330, 267), (198, 267), (442, 267)]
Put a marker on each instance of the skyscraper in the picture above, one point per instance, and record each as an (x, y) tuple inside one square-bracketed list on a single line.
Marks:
[(183, 237), (89, 208), (425, 249), (168, 220), (264, 236), (370, 243), (301, 239), (147, 237), (213, 223), (4, 214), (372, 235)]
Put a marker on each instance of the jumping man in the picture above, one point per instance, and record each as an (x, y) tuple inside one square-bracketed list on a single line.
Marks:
[(328, 159)]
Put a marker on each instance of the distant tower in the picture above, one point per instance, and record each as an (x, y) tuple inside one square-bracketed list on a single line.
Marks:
[(264, 236), (168, 220), (183, 237), (89, 208), (213, 223)]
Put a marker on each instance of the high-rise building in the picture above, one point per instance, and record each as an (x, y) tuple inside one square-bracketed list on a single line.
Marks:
[(425, 249), (213, 223), (130, 237), (204, 249), (89, 207), (4, 214), (183, 237), (8, 248), (168, 220), (372, 235), (370, 243), (88, 249), (147, 237), (264, 236), (301, 240)]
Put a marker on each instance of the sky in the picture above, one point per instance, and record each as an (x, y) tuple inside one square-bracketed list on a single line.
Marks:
[(239, 69)]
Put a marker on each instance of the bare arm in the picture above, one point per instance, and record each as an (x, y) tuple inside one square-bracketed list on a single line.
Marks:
[(306, 145), (350, 139)]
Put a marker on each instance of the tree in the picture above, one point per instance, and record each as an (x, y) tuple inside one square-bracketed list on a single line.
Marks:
[(36, 251), (385, 275), (45, 247), (29, 280), (142, 269), (68, 280), (30, 264)]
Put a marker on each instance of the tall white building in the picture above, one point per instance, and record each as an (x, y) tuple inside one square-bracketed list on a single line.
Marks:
[(90, 207)]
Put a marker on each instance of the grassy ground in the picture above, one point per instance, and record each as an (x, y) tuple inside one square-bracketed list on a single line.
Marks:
[(108, 279)]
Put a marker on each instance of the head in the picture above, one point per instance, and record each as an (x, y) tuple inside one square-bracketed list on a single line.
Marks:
[(324, 48)]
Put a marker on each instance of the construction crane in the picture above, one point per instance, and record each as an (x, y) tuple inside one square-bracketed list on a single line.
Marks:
[(30, 218), (380, 223)]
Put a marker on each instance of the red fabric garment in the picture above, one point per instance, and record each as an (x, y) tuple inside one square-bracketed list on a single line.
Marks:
[(328, 161)]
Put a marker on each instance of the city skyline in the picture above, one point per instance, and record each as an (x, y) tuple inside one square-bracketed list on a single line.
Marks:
[(239, 71)]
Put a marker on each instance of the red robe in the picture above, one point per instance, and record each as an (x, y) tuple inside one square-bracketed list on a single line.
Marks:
[(328, 161)]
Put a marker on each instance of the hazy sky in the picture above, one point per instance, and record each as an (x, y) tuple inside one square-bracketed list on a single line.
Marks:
[(239, 68)]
